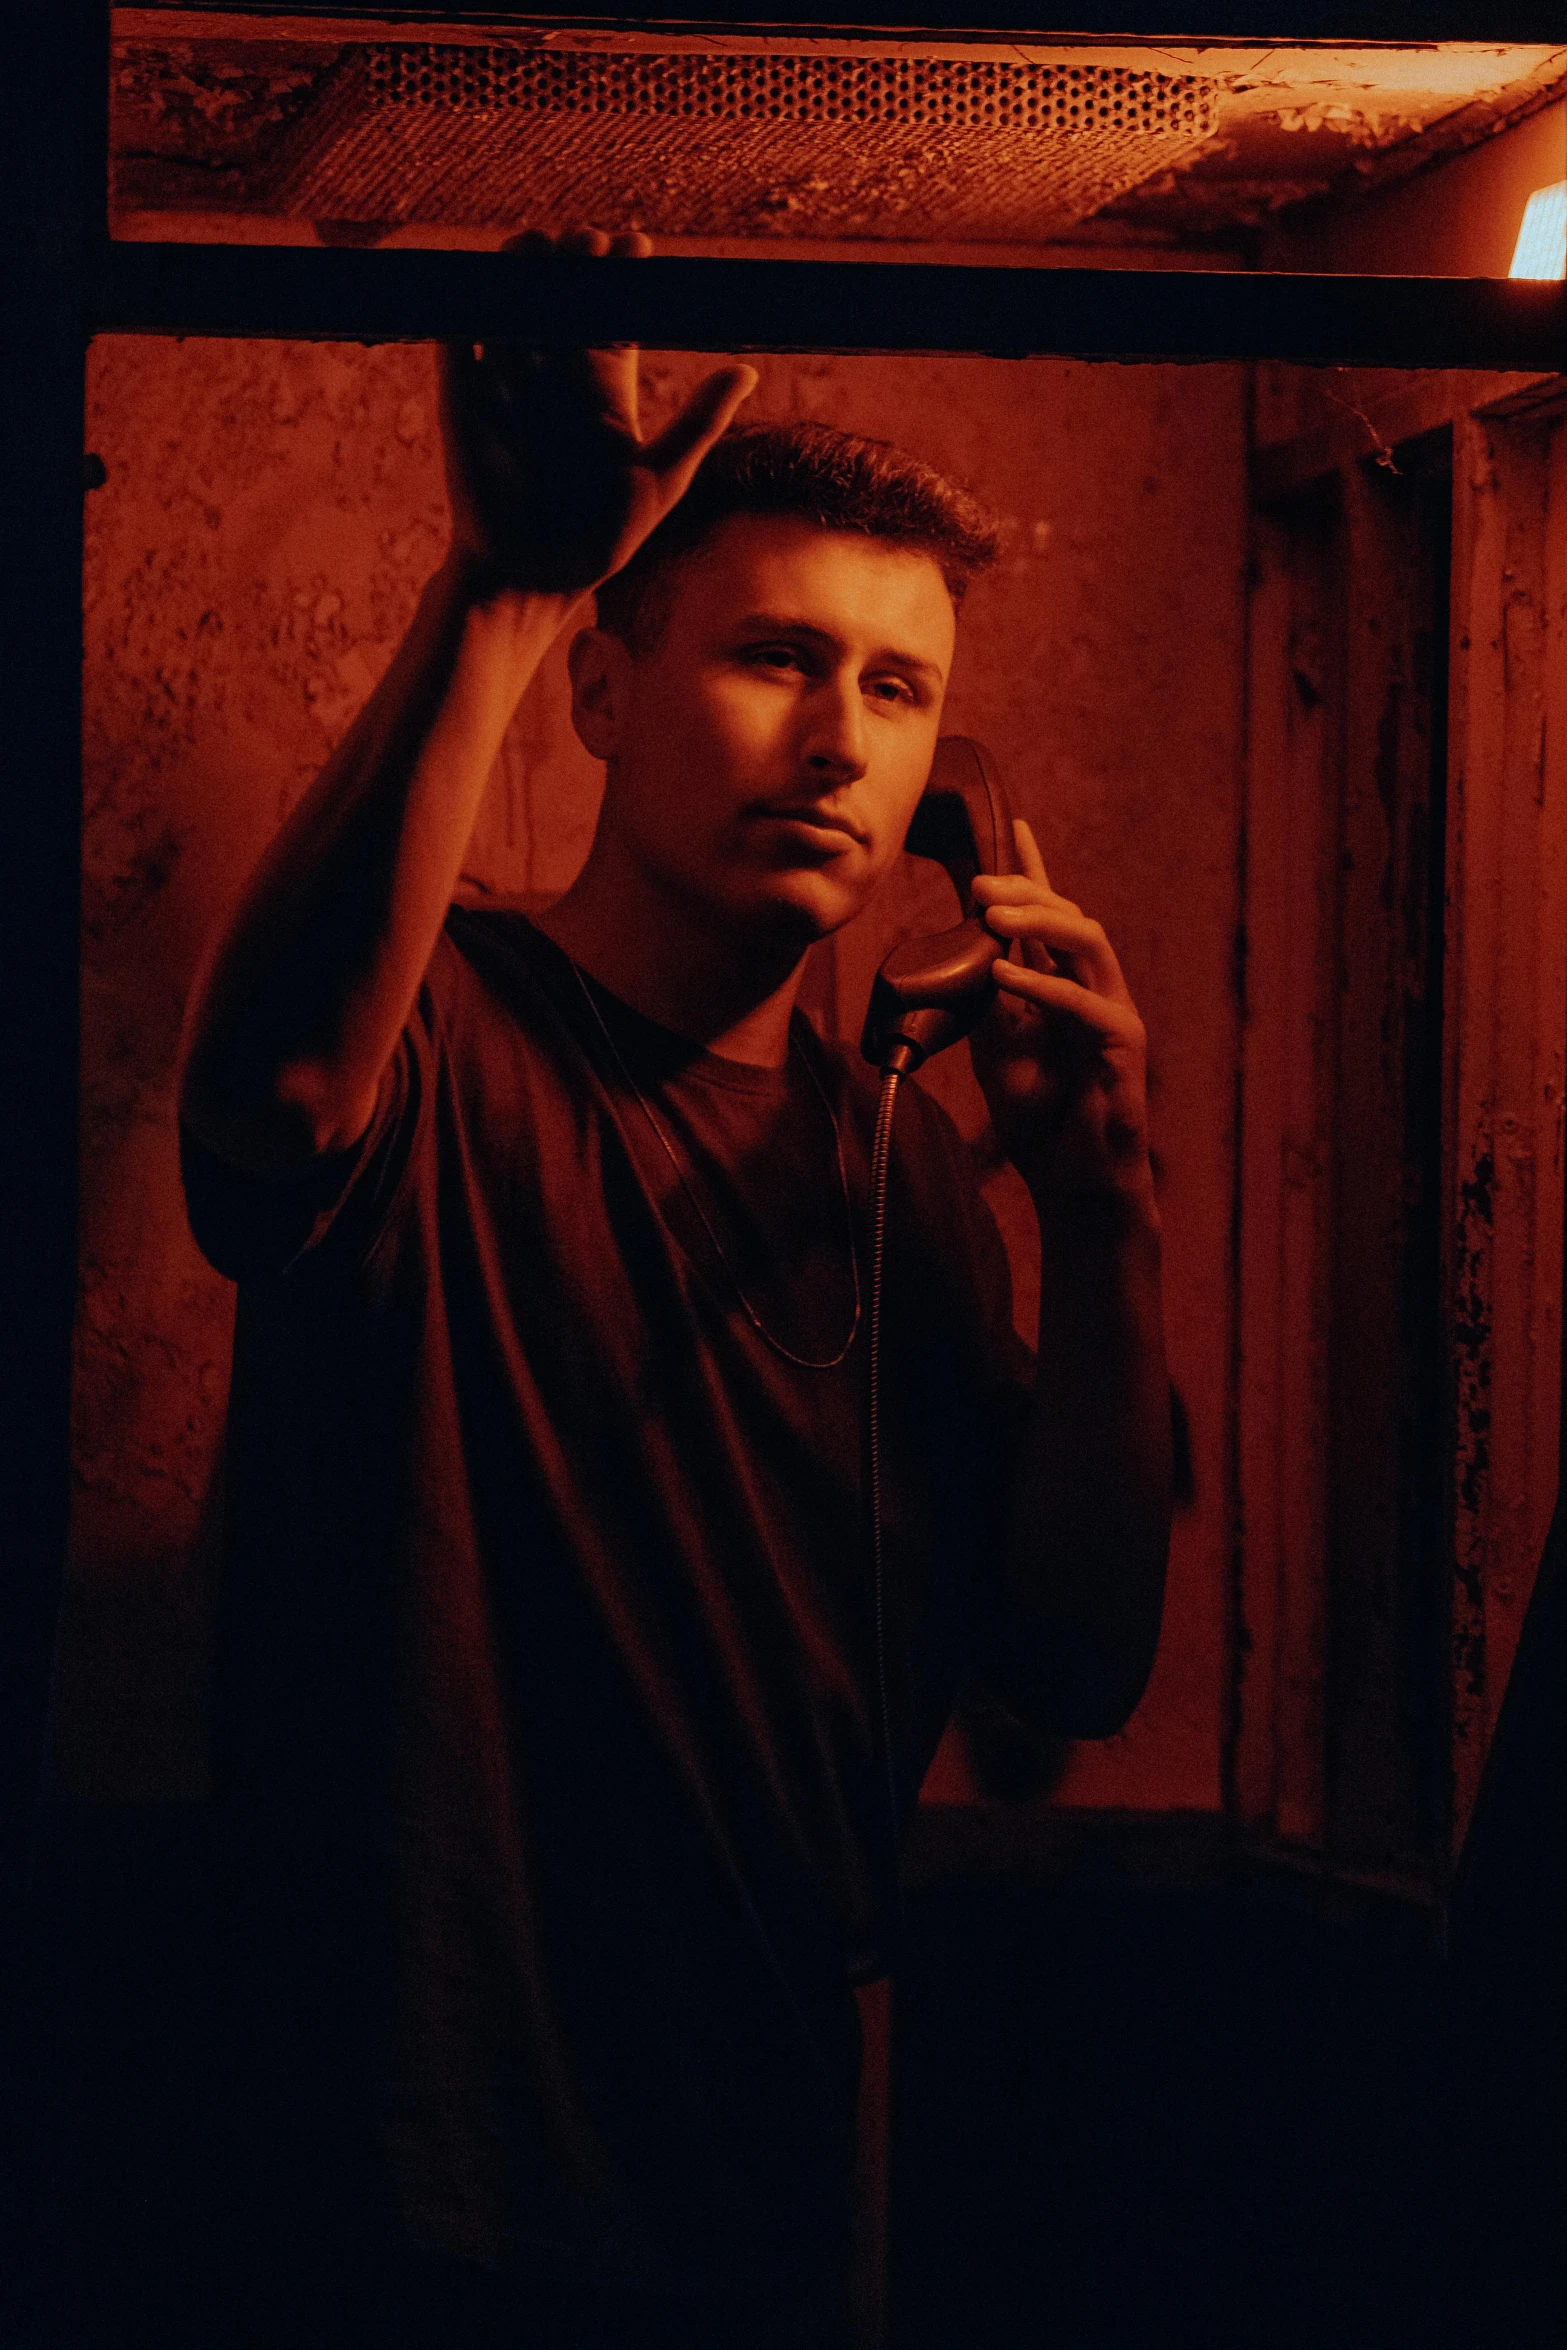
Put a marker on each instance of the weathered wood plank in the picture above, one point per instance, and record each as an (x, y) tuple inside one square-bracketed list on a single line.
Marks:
[(1506, 1015), (408, 295)]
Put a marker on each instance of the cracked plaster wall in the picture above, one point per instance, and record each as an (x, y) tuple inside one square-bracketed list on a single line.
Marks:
[(269, 514)]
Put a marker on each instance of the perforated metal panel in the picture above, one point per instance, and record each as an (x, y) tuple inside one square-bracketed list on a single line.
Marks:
[(683, 142)]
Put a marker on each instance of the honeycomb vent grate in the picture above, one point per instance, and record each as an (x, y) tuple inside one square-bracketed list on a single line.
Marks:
[(780, 143), (914, 93)]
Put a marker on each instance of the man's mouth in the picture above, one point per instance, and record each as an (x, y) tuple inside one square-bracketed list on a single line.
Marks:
[(815, 817)]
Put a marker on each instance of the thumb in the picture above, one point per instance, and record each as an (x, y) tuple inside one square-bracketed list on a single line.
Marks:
[(680, 448)]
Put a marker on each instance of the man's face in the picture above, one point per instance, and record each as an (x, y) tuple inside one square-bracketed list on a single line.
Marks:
[(767, 754)]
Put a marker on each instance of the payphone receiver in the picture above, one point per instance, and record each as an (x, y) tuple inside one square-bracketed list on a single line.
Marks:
[(933, 989)]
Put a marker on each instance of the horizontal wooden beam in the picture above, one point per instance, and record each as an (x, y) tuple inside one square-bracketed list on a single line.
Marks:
[(403, 295), (1253, 21)]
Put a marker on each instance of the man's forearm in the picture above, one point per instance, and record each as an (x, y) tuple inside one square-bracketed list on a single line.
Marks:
[(300, 1004), (1089, 1518)]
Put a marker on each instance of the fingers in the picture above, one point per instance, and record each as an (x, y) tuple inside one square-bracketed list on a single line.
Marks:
[(610, 368), (1061, 931), (1020, 889), (1112, 1018), (594, 244), (1051, 920), (679, 449), (1041, 924), (1028, 850)]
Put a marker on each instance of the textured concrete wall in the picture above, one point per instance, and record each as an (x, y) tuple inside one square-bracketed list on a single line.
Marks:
[(269, 515)]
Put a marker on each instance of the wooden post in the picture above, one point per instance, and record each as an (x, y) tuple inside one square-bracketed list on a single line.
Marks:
[(1506, 1016), (1286, 1169)]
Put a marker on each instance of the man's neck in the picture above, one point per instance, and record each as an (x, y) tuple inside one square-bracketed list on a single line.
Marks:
[(730, 996)]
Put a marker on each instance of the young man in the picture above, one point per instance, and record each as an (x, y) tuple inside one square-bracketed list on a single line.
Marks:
[(550, 1676)]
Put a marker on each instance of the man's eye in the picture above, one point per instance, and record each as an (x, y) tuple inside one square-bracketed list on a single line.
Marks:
[(774, 656), (889, 689)]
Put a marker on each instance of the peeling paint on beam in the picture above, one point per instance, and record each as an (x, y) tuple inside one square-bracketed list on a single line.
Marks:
[(1213, 20), (669, 304)]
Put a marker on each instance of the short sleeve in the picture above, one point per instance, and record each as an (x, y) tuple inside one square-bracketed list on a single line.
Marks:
[(252, 1227)]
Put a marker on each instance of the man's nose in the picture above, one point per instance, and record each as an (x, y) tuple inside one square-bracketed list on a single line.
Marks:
[(835, 737)]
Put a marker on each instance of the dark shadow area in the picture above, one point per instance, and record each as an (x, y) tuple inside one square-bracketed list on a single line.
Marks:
[(1150, 2113), (119, 2219), (1126, 2110)]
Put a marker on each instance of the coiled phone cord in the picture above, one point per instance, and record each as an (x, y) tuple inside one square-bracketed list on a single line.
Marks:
[(880, 1151)]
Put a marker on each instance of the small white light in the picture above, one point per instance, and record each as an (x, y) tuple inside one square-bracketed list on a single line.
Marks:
[(1541, 250)]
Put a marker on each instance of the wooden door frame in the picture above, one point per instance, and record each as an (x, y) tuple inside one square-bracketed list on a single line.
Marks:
[(1504, 1041)]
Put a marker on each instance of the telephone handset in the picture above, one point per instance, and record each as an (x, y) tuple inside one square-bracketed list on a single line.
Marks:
[(933, 989)]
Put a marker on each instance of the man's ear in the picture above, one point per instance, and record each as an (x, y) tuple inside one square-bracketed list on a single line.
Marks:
[(600, 669)]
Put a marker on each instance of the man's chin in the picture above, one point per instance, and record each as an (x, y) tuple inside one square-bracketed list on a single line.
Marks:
[(806, 907), (780, 913)]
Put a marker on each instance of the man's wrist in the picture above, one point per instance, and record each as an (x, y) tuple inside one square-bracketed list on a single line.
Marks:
[(1124, 1209), (470, 583)]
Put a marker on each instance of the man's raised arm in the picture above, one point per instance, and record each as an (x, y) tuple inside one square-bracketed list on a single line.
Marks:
[(1063, 1064), (302, 997)]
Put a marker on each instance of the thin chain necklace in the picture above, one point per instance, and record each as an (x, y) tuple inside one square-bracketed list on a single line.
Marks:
[(805, 1362)]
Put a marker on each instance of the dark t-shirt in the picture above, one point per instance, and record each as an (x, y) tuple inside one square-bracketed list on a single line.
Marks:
[(548, 1709)]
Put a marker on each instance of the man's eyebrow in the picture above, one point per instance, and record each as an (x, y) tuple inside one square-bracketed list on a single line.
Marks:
[(783, 624)]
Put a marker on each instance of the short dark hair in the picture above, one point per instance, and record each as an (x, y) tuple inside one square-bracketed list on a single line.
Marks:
[(838, 481)]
